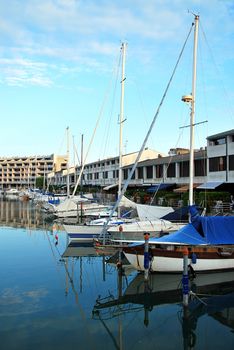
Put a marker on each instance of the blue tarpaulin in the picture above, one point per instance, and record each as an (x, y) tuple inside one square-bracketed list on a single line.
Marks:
[(211, 230), (158, 187), (178, 215)]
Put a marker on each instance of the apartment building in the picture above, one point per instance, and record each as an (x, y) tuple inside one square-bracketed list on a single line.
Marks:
[(101, 173), (220, 153), (213, 168), (21, 172)]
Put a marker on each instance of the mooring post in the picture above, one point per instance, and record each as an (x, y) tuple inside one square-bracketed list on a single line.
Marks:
[(185, 279), (146, 256)]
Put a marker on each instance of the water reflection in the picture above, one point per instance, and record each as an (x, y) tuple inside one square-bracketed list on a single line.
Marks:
[(21, 214), (56, 293), (211, 295)]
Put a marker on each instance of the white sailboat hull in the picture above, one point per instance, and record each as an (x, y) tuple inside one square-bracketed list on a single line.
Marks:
[(136, 230), (175, 265), (89, 231)]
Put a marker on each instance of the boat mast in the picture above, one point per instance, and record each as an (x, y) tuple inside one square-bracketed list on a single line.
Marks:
[(191, 160), (121, 120), (68, 182), (81, 161)]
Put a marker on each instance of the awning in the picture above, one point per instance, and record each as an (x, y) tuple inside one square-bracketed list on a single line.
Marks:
[(159, 187), (209, 185), (109, 187), (184, 188)]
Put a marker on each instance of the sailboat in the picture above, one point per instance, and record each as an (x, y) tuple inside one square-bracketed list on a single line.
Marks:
[(207, 242), (92, 229), (149, 217), (76, 206)]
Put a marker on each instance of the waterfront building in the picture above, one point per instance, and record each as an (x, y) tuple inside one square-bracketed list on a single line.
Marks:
[(21, 172), (213, 168), (101, 173), (220, 154)]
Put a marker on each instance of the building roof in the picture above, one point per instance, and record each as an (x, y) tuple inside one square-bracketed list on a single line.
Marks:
[(221, 134), (201, 154)]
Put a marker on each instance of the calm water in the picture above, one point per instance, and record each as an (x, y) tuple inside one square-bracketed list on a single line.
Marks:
[(60, 296)]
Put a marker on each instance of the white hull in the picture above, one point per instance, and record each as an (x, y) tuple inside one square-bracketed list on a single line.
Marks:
[(136, 230), (175, 265), (87, 232)]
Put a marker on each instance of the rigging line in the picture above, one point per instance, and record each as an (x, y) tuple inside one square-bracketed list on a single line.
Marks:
[(113, 100), (109, 332), (94, 132), (218, 73), (204, 94), (170, 160), (62, 143), (58, 270), (148, 133), (76, 153), (74, 290)]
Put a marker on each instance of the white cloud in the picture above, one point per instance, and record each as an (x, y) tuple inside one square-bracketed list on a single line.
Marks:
[(81, 34), (19, 72)]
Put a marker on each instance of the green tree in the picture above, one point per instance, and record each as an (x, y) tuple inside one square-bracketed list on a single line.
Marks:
[(40, 182)]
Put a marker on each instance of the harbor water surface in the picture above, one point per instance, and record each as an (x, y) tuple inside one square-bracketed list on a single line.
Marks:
[(58, 295)]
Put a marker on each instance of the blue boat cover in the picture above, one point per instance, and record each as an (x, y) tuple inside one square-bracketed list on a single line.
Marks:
[(210, 230), (159, 187), (179, 214)]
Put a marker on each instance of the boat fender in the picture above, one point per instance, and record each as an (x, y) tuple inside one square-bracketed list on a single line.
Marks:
[(146, 260), (194, 258), (120, 228), (185, 284)]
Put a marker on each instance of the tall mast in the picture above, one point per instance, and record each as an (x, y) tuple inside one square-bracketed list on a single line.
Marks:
[(193, 100), (74, 158), (68, 182), (121, 119), (81, 161)]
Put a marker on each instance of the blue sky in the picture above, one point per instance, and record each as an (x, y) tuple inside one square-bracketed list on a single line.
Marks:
[(58, 64)]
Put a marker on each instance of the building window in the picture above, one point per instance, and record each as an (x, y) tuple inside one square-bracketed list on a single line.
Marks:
[(220, 141), (159, 171), (96, 176), (140, 172), (171, 170), (217, 164), (105, 174), (125, 174), (133, 175), (200, 167), (149, 172), (231, 162), (184, 169)]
